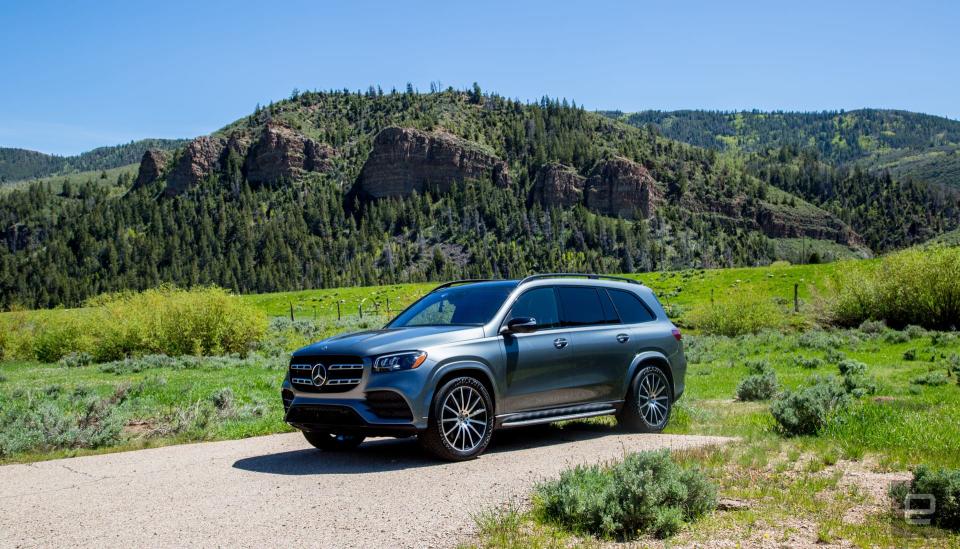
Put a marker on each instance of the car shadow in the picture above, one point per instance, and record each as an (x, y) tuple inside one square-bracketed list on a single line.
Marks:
[(380, 455)]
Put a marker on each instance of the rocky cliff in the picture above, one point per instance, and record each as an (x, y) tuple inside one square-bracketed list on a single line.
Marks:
[(276, 154), (557, 185), (283, 154), (622, 188), (404, 160), (153, 164)]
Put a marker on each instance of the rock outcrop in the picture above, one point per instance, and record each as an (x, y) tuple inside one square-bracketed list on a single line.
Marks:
[(153, 164), (201, 158), (622, 188), (404, 160), (557, 185), (283, 154)]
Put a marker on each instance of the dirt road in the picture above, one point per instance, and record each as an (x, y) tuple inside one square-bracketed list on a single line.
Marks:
[(277, 490)]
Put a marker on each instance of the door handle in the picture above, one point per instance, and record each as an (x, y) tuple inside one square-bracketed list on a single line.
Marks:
[(560, 342), (623, 338)]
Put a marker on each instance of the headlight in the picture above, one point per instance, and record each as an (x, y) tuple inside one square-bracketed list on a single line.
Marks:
[(399, 361)]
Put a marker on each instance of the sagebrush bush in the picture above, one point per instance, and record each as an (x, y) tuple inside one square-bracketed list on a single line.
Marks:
[(646, 493), (737, 314), (873, 326), (855, 378), (914, 286), (808, 362), (807, 410), (760, 384), (932, 379), (943, 485), (51, 420), (76, 360)]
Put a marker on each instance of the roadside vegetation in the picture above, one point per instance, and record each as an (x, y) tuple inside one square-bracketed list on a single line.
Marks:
[(833, 411)]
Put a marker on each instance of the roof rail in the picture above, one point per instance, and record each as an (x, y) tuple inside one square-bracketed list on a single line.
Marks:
[(464, 281), (578, 275)]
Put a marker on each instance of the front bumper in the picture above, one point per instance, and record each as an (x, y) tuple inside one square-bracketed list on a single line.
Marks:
[(372, 411)]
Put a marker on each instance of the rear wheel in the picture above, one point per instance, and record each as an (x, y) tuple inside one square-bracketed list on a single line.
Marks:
[(332, 442), (648, 404), (461, 421)]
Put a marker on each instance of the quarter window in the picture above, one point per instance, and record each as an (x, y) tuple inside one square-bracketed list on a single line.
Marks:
[(582, 306), (631, 309)]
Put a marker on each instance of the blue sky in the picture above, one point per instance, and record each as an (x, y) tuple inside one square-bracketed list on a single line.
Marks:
[(76, 75)]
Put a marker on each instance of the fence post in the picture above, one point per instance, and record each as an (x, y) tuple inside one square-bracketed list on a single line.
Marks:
[(338, 310), (388, 306), (360, 309), (796, 297), (291, 312)]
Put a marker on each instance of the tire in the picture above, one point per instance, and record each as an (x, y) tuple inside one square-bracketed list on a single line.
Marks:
[(650, 385), (332, 442), (461, 420)]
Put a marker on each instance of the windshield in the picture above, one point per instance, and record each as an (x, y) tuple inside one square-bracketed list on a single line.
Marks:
[(470, 305)]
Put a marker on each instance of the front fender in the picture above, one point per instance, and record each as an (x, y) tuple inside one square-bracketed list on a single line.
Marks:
[(459, 366)]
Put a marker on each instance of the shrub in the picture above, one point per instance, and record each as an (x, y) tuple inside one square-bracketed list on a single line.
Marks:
[(741, 313), (758, 386), (223, 399), (807, 410), (646, 493), (914, 332), (76, 360), (944, 486), (855, 378), (55, 421), (810, 363), (910, 355), (202, 321), (932, 379), (915, 286), (873, 326)]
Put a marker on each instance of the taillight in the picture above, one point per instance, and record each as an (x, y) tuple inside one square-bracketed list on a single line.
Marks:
[(676, 334)]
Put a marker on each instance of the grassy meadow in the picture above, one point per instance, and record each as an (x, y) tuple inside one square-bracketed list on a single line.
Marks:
[(114, 387)]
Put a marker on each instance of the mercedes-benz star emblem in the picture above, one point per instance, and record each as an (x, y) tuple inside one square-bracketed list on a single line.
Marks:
[(319, 375)]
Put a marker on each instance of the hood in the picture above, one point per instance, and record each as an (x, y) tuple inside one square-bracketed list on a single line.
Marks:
[(388, 340)]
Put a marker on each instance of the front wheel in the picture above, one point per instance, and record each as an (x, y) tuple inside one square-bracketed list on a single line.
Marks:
[(332, 442), (647, 406), (461, 421)]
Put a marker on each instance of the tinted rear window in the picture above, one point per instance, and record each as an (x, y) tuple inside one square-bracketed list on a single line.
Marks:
[(631, 309), (581, 306)]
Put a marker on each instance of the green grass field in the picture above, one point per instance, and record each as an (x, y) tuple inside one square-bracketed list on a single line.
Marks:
[(45, 409)]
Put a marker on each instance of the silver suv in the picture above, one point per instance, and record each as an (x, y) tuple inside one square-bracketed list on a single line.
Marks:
[(473, 356)]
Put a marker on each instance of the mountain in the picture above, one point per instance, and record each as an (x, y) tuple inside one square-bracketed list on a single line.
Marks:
[(907, 144), (20, 164), (339, 188)]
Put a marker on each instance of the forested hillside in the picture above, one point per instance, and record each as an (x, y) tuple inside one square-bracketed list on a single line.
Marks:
[(907, 144), (341, 188), (20, 164)]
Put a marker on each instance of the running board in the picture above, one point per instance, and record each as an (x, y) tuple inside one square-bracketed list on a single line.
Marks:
[(522, 420)]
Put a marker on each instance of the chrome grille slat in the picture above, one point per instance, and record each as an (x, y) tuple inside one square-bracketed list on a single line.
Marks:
[(342, 373)]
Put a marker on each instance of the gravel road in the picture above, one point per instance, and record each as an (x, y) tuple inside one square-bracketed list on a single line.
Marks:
[(277, 490)]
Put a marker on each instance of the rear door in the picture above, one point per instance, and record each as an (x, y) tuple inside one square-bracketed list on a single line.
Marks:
[(600, 345), (536, 362), (637, 324)]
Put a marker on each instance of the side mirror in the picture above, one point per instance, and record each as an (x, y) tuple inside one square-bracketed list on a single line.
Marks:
[(520, 325)]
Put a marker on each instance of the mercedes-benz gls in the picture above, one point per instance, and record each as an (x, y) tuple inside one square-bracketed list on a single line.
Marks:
[(474, 356)]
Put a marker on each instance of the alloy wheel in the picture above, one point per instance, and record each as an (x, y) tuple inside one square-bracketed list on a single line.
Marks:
[(463, 418), (653, 398)]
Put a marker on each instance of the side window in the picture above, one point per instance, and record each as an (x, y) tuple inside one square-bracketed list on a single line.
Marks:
[(582, 306), (631, 309), (541, 304)]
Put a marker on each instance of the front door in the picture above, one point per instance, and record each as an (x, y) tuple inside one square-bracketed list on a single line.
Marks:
[(538, 363)]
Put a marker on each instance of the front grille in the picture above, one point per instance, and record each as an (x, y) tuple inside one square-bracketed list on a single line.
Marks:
[(322, 414), (388, 405), (342, 373)]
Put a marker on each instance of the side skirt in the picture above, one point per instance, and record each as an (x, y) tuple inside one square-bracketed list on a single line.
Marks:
[(565, 413)]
